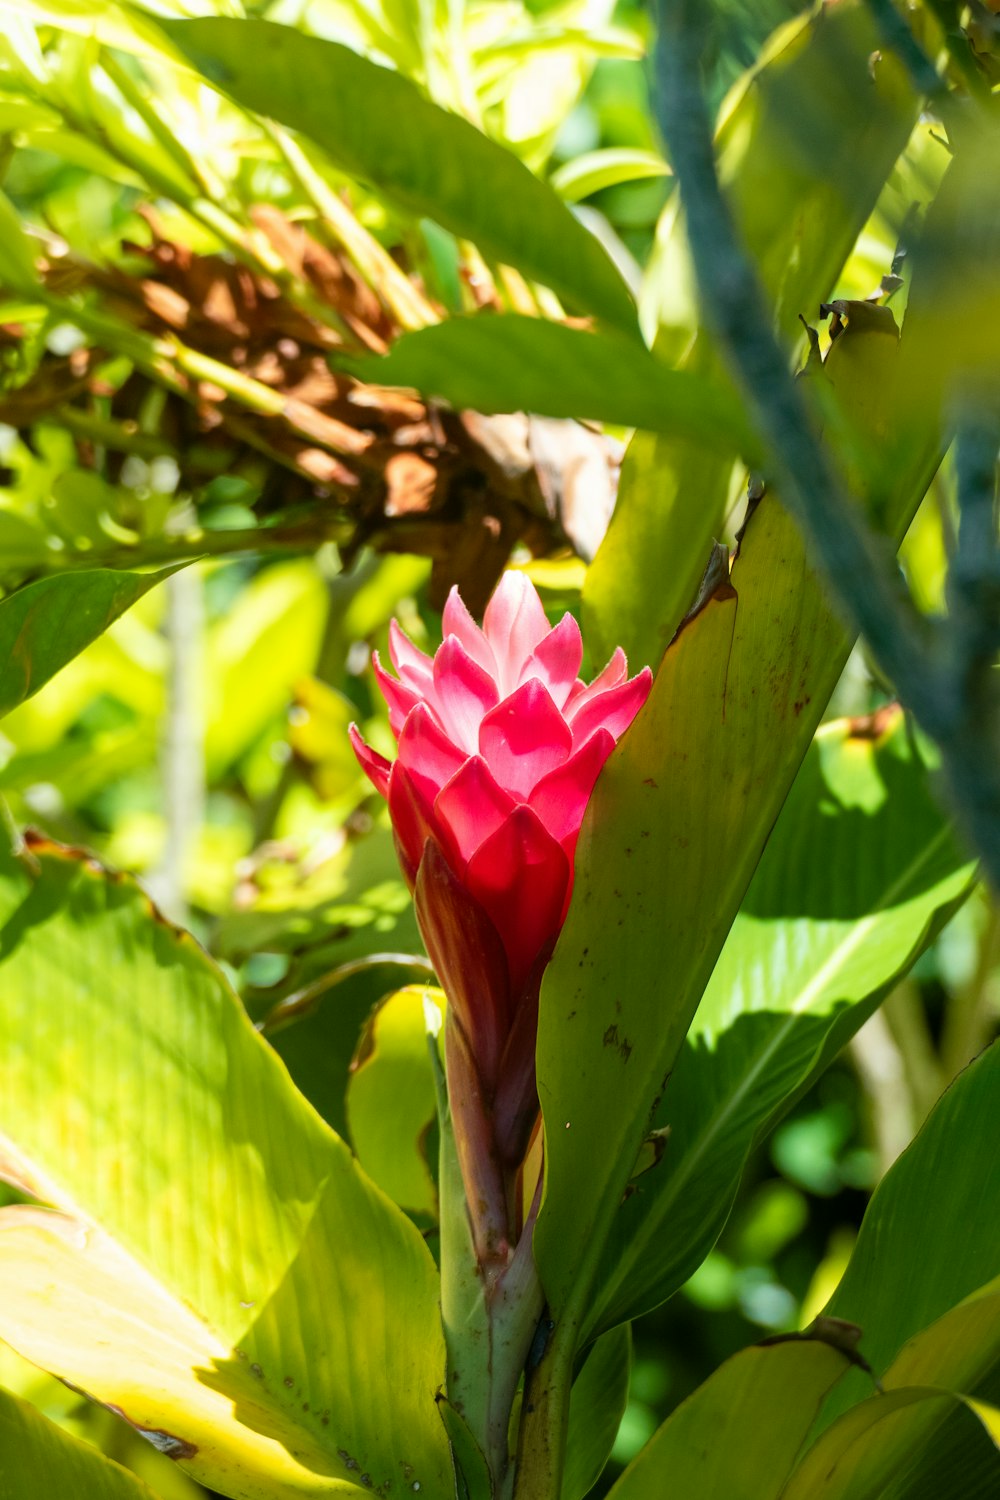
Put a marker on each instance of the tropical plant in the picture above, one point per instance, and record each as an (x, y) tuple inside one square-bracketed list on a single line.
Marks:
[(303, 344)]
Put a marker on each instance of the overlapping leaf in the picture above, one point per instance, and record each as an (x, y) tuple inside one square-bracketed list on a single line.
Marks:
[(516, 363), (737, 1437), (438, 166), (36, 1458), (859, 873), (136, 1097)]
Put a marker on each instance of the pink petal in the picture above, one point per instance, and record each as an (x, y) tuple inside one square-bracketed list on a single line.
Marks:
[(412, 821), (468, 957), (427, 753), (400, 698), (613, 710), (469, 809), (514, 624), (456, 620), (556, 660), (413, 665), (375, 766), (560, 798), (523, 738), (463, 693), (520, 877), (615, 672)]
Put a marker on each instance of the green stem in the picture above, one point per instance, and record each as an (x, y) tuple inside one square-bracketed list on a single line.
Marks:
[(374, 263)]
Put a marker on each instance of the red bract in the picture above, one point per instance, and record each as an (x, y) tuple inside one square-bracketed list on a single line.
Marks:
[(500, 745)]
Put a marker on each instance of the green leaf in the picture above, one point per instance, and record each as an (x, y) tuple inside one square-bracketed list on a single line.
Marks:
[(596, 170), (874, 1445), (931, 1235), (37, 1458), (859, 874), (596, 1404), (508, 363), (438, 166), (390, 1099), (46, 624), (17, 257), (222, 1270), (670, 840), (805, 145), (737, 1436)]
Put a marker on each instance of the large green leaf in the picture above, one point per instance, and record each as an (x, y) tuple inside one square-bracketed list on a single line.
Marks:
[(515, 363), (880, 1443), (859, 873), (737, 1436), (805, 147), (36, 1458), (261, 1301), (931, 1235), (597, 1401), (376, 125), (670, 841), (865, 1452), (44, 625)]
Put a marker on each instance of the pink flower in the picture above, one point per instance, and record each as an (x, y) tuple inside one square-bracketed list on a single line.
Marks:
[(500, 745)]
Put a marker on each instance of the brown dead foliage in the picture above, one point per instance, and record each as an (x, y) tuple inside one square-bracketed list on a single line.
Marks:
[(375, 467)]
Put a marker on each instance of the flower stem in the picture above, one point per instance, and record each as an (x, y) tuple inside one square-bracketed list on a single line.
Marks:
[(491, 1298)]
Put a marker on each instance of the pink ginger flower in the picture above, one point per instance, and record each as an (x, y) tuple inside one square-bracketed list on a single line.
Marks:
[(500, 745)]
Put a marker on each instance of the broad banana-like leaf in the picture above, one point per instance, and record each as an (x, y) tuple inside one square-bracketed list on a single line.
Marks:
[(278, 1326), (931, 1235), (861, 870), (866, 1453), (737, 1436), (38, 1459)]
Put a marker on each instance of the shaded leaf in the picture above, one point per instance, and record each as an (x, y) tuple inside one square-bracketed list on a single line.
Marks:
[(931, 1234), (38, 1458), (737, 1436), (597, 1401)]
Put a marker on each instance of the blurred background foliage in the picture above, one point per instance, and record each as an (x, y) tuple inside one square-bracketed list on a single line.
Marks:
[(201, 741)]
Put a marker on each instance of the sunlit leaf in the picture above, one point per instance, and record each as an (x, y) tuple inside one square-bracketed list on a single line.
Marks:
[(390, 1099), (439, 166), (46, 624), (516, 363), (288, 1284), (860, 872), (805, 144)]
